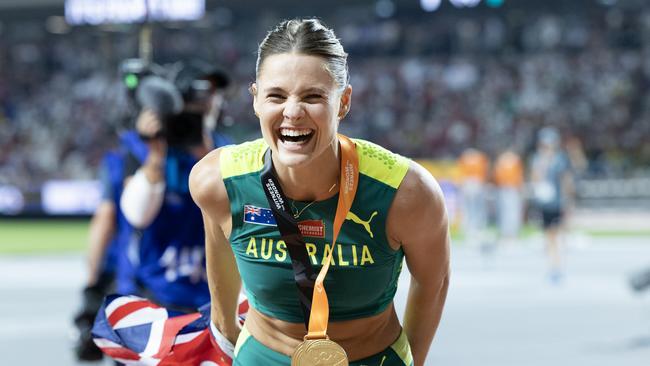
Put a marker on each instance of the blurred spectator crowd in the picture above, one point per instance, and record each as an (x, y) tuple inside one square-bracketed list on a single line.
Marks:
[(426, 85)]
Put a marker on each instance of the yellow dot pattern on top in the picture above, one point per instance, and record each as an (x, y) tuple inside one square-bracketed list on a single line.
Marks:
[(381, 164), (374, 161), (242, 159)]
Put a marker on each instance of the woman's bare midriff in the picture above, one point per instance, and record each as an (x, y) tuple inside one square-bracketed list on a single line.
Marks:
[(359, 337)]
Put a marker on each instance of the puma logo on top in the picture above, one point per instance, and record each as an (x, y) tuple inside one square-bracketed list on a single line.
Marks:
[(366, 224)]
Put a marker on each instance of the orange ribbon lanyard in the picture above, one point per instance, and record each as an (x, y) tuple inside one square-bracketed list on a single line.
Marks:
[(349, 181)]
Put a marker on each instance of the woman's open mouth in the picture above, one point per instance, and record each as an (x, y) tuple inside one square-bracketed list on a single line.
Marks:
[(295, 136)]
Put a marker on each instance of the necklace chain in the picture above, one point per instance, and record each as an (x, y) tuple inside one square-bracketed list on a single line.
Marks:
[(296, 213)]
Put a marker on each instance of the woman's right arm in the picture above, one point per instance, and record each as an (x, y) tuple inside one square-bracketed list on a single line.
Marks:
[(209, 193)]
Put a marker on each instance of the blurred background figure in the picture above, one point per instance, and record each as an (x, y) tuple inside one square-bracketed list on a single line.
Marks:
[(109, 231), (640, 281), (552, 187), (113, 246), (204, 88), (509, 180), (165, 259), (474, 168)]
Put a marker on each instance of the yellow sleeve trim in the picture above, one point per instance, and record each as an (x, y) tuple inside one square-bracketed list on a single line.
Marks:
[(243, 158), (374, 161), (381, 164)]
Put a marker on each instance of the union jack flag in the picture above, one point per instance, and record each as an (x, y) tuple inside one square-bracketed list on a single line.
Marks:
[(252, 210), (135, 331)]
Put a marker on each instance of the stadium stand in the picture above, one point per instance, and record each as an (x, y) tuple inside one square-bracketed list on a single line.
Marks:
[(425, 85)]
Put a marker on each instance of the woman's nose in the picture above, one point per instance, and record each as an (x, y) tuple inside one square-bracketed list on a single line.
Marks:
[(293, 110)]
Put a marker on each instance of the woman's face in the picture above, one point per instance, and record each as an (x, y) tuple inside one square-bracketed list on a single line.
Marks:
[(299, 106)]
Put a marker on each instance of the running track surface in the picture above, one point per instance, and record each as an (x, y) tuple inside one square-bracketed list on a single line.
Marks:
[(501, 309)]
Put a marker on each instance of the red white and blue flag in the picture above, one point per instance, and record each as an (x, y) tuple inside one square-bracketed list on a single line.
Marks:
[(259, 216), (135, 331)]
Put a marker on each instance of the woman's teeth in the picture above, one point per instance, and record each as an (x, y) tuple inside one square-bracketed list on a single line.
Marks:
[(295, 135)]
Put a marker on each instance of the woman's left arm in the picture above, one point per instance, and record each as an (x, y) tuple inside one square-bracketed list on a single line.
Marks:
[(417, 221)]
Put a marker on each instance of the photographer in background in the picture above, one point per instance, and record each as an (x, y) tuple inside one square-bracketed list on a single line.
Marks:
[(204, 89), (178, 123), (109, 231), (165, 256)]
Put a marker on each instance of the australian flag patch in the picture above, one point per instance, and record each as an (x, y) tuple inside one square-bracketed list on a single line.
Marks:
[(259, 216)]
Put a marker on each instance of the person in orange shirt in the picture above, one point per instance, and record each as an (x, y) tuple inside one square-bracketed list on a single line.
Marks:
[(474, 167), (509, 179)]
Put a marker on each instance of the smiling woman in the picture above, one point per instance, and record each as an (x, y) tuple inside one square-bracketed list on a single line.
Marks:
[(349, 243), (299, 107)]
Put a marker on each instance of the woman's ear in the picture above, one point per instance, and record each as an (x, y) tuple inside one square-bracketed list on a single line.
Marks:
[(346, 99), (253, 90)]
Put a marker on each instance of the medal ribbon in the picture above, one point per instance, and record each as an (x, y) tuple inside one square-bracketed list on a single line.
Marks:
[(316, 311), (303, 273), (349, 181)]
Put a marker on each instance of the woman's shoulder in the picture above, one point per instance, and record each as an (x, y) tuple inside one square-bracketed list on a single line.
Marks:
[(242, 159), (380, 163), (205, 179), (418, 193), (208, 174), (411, 180), (418, 209), (418, 182)]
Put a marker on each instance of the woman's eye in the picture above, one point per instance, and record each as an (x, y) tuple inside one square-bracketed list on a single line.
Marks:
[(313, 97), (275, 97)]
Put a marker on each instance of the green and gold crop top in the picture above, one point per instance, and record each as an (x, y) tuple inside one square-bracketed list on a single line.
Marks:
[(362, 279)]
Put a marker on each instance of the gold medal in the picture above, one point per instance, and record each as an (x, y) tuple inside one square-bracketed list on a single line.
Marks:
[(319, 352)]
